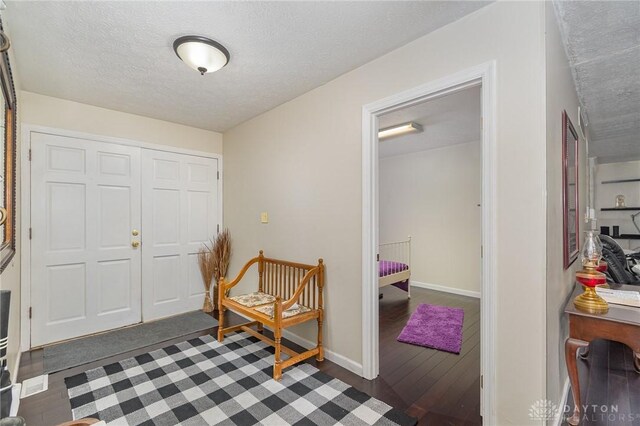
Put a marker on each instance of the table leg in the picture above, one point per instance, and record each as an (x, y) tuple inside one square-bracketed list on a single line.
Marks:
[(571, 347)]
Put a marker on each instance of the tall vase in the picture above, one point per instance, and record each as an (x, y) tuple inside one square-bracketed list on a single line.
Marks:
[(208, 304), (215, 296)]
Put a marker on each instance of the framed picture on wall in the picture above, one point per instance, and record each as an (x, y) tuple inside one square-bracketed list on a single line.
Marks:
[(569, 191), (7, 157)]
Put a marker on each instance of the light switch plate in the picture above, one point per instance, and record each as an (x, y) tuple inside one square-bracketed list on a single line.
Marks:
[(264, 217)]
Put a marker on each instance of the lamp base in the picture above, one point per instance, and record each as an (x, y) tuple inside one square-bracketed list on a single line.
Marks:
[(590, 302)]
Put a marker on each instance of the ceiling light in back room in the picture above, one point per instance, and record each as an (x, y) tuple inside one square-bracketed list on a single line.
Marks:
[(201, 53), (399, 129)]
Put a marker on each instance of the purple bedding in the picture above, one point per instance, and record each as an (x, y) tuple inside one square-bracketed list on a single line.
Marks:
[(388, 267)]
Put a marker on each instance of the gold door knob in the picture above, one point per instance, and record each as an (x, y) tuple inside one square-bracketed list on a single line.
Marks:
[(135, 233), (135, 244)]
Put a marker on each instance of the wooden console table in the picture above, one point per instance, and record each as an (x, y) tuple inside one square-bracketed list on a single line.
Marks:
[(620, 324)]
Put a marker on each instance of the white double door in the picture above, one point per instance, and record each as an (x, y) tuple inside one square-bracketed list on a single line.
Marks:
[(115, 234)]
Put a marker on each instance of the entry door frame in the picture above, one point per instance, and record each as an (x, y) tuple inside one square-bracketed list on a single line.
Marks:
[(483, 75), (25, 211)]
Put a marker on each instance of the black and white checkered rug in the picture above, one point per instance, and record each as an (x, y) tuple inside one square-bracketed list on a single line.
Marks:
[(202, 382)]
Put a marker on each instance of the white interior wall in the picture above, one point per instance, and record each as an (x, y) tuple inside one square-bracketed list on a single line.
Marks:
[(434, 196), (560, 95), (302, 163), (68, 115)]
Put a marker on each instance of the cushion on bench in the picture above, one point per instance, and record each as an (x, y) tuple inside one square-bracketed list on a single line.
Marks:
[(295, 309), (253, 299)]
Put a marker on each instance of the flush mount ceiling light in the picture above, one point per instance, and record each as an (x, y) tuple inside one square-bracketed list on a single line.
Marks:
[(399, 129), (201, 53)]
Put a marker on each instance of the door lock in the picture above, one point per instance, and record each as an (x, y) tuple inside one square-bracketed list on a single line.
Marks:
[(135, 244), (135, 232)]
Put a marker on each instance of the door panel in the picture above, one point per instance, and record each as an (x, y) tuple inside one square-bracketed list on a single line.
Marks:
[(114, 278), (114, 217), (66, 204), (85, 202), (179, 213), (165, 217), (199, 211), (66, 292)]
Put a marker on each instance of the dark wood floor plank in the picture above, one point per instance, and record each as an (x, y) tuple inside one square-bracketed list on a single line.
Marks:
[(433, 394), (617, 385), (607, 378), (408, 358), (413, 371), (598, 363), (438, 365), (467, 386), (633, 385), (399, 354), (469, 404)]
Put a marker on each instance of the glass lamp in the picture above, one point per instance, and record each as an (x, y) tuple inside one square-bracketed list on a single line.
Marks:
[(602, 266), (201, 53), (590, 277)]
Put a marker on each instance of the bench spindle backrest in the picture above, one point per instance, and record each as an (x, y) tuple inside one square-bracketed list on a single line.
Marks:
[(282, 278)]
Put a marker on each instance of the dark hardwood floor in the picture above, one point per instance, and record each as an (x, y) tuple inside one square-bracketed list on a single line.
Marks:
[(610, 386), (433, 386)]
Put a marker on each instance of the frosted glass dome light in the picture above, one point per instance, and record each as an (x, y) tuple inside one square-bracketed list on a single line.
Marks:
[(200, 53)]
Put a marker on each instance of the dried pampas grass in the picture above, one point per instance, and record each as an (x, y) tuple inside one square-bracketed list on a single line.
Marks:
[(221, 254), (207, 269), (214, 263)]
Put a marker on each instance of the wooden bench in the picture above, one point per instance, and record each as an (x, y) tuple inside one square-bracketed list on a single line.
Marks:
[(288, 294)]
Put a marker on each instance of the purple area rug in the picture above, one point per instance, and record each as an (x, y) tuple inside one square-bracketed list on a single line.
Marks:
[(437, 327)]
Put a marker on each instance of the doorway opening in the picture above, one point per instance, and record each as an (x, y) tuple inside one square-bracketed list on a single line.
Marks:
[(429, 185), (481, 81)]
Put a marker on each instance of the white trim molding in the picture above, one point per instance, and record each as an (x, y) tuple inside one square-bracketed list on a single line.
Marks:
[(483, 75), (16, 366), (28, 128), (559, 417), (332, 356), (446, 289), (25, 210)]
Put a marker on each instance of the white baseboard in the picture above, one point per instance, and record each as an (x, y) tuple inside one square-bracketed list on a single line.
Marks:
[(332, 356), (16, 366), (341, 360), (15, 399), (557, 421), (446, 289), (17, 387)]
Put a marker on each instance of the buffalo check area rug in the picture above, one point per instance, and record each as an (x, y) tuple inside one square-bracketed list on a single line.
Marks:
[(204, 382)]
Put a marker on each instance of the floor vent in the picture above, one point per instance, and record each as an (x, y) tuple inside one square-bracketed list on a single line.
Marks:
[(34, 385)]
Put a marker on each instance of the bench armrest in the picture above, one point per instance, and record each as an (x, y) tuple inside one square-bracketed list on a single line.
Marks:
[(224, 286), (303, 283)]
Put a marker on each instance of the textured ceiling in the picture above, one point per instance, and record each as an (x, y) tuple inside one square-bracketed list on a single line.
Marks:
[(449, 120), (602, 40), (118, 55)]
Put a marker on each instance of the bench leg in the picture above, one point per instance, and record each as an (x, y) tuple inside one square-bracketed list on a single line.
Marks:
[(320, 356), (221, 325), (277, 366), (260, 327)]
